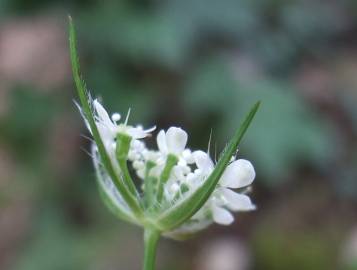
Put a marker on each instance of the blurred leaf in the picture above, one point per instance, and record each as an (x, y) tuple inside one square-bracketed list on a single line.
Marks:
[(119, 93), (54, 246), (28, 121), (286, 132), (135, 35)]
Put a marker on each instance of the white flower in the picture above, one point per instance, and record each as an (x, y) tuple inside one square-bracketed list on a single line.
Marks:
[(139, 155), (188, 156), (108, 127), (172, 142), (240, 173)]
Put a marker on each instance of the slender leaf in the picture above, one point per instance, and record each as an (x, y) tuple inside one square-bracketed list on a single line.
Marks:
[(88, 113)]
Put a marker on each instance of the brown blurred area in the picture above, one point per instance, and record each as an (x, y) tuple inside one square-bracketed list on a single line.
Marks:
[(196, 64)]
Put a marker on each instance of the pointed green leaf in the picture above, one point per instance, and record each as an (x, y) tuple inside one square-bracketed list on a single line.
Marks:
[(178, 214), (88, 114)]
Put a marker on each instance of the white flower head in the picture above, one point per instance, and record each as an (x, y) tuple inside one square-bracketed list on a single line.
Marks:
[(190, 170), (109, 128), (239, 174)]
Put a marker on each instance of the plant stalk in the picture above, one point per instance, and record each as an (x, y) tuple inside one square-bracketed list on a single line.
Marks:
[(171, 161), (151, 239)]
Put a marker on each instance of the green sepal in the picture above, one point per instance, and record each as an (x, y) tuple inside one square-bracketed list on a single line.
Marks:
[(184, 210), (88, 114)]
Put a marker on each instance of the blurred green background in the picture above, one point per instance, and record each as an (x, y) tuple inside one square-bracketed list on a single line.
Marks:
[(198, 64)]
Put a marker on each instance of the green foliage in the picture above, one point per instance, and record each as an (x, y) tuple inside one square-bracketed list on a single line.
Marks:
[(30, 114), (69, 253), (285, 132)]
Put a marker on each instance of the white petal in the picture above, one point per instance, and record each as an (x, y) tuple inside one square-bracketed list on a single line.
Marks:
[(105, 133), (161, 142), (174, 188), (178, 172), (141, 173), (102, 113), (239, 173), (136, 133), (203, 161), (190, 178), (236, 201), (176, 139), (188, 156), (149, 130), (222, 216)]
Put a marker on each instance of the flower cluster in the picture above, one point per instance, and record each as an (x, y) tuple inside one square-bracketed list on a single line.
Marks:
[(167, 176)]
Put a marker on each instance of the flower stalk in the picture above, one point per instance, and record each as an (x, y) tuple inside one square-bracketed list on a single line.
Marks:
[(122, 150), (170, 163), (149, 186), (151, 239)]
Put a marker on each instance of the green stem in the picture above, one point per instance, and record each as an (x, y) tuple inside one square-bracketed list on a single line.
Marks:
[(151, 238), (171, 161), (149, 182), (122, 150)]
